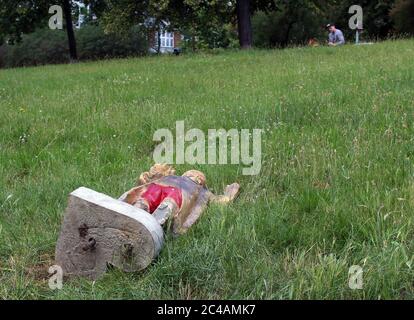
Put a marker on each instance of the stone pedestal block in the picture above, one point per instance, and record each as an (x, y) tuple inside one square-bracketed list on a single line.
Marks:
[(98, 231)]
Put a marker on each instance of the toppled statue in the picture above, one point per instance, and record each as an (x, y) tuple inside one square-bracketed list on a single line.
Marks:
[(164, 195), (127, 233)]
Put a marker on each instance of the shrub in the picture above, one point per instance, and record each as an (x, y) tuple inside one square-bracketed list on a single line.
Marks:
[(402, 15), (94, 44), (39, 47), (47, 46)]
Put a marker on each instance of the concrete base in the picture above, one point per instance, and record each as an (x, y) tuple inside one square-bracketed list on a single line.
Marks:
[(98, 230)]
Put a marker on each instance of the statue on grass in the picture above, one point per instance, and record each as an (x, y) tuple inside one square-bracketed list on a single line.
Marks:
[(128, 233)]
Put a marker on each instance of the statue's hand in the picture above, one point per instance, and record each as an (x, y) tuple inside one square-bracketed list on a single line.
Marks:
[(232, 191)]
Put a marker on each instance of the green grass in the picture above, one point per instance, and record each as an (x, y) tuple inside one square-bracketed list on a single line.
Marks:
[(336, 187)]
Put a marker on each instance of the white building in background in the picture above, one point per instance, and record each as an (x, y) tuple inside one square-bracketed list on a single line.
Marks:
[(169, 40), (81, 16)]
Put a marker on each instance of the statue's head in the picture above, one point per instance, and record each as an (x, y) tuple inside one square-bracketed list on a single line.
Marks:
[(157, 171), (197, 176), (162, 169)]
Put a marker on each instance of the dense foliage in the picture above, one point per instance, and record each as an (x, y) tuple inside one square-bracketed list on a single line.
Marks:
[(403, 16), (50, 46)]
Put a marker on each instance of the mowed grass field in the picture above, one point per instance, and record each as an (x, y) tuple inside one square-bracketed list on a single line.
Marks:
[(336, 187)]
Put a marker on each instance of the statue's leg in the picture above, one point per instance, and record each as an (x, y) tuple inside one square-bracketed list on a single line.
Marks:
[(167, 208), (142, 204)]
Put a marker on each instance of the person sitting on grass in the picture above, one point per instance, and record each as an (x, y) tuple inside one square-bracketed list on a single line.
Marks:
[(336, 37)]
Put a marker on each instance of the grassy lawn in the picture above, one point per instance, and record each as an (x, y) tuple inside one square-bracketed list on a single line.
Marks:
[(336, 187)]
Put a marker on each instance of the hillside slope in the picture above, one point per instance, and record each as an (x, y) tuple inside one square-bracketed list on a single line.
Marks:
[(336, 187)]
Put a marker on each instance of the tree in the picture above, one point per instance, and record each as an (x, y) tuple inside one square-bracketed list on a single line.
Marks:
[(244, 10), (207, 21), (244, 24), (19, 17), (24, 16), (402, 15), (197, 17), (119, 16), (67, 11)]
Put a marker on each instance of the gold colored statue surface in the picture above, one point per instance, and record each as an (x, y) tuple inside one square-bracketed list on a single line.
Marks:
[(183, 198)]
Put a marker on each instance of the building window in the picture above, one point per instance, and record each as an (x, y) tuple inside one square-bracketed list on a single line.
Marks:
[(167, 39)]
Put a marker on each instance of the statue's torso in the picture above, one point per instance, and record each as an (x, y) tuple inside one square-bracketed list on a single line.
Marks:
[(189, 189)]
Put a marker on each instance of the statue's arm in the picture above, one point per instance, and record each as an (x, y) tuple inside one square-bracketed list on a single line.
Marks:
[(199, 207), (132, 195), (230, 193)]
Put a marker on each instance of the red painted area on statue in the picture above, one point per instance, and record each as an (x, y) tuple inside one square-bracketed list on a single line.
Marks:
[(155, 194)]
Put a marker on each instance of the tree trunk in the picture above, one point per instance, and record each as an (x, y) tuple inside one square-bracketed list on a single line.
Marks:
[(193, 42), (244, 24), (285, 42), (158, 33), (67, 10), (193, 37)]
